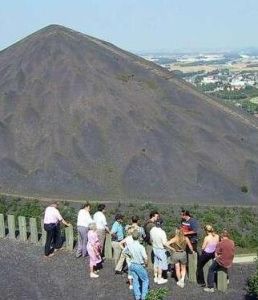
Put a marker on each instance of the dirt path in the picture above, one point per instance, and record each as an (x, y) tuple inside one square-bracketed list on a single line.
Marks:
[(134, 201), (26, 275), (243, 259)]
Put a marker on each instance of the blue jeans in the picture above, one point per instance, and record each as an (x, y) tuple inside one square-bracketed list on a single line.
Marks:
[(140, 281), (211, 274)]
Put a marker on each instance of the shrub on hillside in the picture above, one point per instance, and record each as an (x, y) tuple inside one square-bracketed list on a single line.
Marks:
[(253, 284), (30, 209), (68, 212), (3, 206), (157, 294)]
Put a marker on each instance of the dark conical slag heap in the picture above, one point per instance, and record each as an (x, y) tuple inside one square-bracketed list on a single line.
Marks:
[(80, 117)]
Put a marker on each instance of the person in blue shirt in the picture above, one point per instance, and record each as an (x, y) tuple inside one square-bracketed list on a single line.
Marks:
[(117, 235)]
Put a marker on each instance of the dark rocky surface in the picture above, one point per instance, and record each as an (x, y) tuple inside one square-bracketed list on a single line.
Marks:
[(80, 117), (26, 275)]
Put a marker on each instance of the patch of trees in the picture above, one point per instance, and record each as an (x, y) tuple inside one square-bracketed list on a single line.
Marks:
[(165, 60), (231, 95), (208, 87), (204, 63), (247, 92), (254, 65), (187, 74), (242, 223), (232, 55), (253, 284)]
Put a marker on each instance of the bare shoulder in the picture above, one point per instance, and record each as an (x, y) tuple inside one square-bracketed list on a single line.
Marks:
[(172, 240)]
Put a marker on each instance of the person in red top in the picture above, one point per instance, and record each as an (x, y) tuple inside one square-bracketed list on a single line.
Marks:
[(224, 254)]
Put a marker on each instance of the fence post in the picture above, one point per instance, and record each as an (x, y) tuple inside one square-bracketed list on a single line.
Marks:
[(222, 280), (33, 231), (11, 226), (149, 255), (69, 238), (108, 247), (192, 267), (206, 270), (2, 226), (43, 234), (22, 229)]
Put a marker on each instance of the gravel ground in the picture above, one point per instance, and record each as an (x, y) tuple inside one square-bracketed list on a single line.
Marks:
[(26, 274)]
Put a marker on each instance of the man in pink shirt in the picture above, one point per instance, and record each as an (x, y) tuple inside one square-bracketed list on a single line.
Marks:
[(52, 219)]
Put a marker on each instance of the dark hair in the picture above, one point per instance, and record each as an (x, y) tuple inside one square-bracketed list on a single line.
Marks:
[(87, 204), (159, 223), (185, 213), (224, 233), (101, 207), (119, 217), (153, 213), (135, 219)]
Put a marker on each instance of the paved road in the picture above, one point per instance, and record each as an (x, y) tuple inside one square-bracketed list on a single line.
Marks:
[(26, 275), (243, 259)]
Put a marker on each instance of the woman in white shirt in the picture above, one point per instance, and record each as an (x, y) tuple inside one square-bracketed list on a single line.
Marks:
[(83, 220), (101, 222)]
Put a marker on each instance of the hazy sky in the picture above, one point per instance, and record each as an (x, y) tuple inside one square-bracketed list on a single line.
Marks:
[(139, 25)]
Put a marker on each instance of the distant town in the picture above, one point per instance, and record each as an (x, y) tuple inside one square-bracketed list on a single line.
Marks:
[(229, 76)]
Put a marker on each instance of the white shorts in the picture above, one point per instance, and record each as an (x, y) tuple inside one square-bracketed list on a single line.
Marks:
[(160, 258)]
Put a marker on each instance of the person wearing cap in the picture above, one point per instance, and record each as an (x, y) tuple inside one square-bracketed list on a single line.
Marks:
[(117, 235), (137, 260), (125, 242), (52, 220), (159, 242), (224, 255)]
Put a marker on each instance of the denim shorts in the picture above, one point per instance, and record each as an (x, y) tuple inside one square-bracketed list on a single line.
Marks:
[(160, 258)]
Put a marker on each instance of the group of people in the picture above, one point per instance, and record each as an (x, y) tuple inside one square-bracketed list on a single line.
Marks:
[(138, 248)]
